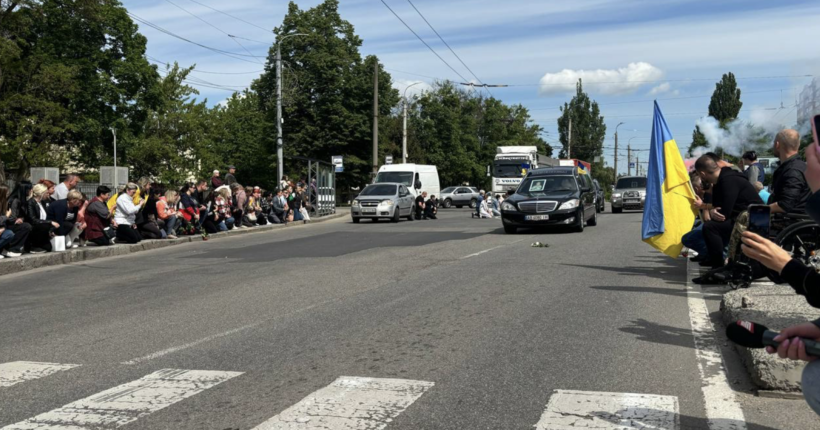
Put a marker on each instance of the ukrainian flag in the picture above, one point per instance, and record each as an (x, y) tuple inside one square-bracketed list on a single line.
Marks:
[(668, 212)]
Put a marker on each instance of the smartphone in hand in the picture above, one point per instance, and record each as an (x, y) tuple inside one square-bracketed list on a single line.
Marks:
[(815, 126), (759, 217)]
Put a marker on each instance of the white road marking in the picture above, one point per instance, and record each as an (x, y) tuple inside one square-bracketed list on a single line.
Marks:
[(173, 349), (723, 412), (350, 403), (488, 250), (569, 410), (128, 402), (19, 371)]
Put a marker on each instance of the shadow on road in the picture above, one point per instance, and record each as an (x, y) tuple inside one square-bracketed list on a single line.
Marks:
[(658, 333), (670, 274), (632, 418), (654, 290)]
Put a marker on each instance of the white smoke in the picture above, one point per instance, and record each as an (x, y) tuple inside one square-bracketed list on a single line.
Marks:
[(739, 136)]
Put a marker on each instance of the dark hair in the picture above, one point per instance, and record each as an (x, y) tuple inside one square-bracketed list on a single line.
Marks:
[(750, 155), (20, 192), (4, 199), (201, 181), (712, 155), (706, 163), (102, 189)]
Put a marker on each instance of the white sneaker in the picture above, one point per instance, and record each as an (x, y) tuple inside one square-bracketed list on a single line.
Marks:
[(2, 256), (75, 245), (10, 254), (37, 250)]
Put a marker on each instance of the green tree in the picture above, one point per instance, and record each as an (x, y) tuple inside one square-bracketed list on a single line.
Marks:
[(330, 113), (588, 128), (68, 71), (724, 106)]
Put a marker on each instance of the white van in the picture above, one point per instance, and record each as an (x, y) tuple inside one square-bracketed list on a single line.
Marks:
[(417, 178)]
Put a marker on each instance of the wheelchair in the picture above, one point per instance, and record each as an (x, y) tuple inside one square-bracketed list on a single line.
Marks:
[(795, 233)]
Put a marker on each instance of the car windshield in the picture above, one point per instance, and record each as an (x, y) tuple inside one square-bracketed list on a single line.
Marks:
[(379, 190), (448, 190), (533, 187), (631, 183), (405, 178), (509, 170)]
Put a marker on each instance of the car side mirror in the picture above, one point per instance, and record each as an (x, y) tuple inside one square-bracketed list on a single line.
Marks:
[(418, 184)]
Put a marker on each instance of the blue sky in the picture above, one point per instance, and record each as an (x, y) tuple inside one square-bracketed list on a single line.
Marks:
[(672, 50)]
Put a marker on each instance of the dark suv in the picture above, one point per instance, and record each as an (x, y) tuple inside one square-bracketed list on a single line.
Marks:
[(551, 196)]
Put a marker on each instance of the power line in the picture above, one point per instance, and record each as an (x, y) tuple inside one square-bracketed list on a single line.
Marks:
[(158, 61), (667, 98), (234, 55), (448, 47), (213, 26), (232, 16), (422, 41)]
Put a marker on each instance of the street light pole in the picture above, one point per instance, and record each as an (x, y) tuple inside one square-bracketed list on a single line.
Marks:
[(404, 125), (279, 147), (114, 132), (616, 151)]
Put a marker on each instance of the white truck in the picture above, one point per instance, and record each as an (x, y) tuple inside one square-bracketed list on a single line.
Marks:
[(417, 178), (512, 163)]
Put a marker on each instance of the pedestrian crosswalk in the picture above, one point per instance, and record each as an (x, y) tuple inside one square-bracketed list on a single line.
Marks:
[(347, 403)]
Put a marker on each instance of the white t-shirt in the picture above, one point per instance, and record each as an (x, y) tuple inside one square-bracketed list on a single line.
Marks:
[(60, 191)]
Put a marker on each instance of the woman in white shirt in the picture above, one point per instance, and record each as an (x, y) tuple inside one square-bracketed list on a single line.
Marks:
[(126, 215), (485, 207)]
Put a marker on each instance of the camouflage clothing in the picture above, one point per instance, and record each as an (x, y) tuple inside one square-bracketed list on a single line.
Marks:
[(741, 225)]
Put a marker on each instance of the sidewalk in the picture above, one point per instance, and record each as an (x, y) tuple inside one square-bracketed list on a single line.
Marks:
[(27, 262)]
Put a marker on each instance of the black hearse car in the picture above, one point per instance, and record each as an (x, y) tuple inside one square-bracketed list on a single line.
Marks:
[(551, 196)]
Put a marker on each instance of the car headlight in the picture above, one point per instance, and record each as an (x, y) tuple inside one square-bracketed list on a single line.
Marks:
[(507, 206), (616, 195), (569, 204), (387, 202), (355, 203)]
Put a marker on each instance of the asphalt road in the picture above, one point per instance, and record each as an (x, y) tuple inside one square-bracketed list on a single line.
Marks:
[(486, 325)]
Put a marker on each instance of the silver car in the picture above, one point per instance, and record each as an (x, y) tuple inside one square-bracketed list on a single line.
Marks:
[(383, 200), (459, 197), (629, 193)]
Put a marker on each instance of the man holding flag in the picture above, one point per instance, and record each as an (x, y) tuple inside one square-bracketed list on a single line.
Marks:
[(668, 213)]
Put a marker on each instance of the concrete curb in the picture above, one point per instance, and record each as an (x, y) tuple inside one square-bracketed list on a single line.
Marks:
[(28, 262), (776, 307)]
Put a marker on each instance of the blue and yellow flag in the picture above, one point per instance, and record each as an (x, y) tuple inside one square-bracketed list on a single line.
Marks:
[(668, 212)]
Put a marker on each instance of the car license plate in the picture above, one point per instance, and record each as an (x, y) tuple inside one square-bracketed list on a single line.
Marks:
[(632, 201), (537, 217), (368, 211)]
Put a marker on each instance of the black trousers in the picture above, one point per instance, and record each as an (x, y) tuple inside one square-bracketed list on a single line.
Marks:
[(101, 241), (418, 212), (40, 236), (149, 230), (716, 234), (128, 234), (65, 228), (21, 232)]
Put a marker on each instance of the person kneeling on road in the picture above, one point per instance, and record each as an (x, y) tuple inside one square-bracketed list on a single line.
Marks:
[(431, 208), (804, 279), (419, 206)]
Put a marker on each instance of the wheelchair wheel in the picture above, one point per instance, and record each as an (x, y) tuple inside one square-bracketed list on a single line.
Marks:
[(801, 240)]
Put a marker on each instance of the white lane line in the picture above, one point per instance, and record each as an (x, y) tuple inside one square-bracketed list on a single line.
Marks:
[(128, 402), (723, 412), (569, 410), (350, 403), (19, 371), (488, 250), (173, 349)]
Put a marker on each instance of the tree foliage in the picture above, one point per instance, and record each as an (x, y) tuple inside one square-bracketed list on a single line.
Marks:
[(588, 128), (724, 106), (69, 70)]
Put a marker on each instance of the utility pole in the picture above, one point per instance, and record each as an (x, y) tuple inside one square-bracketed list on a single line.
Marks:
[(375, 118), (116, 184), (569, 139), (638, 166), (280, 164), (280, 167), (616, 152), (628, 160)]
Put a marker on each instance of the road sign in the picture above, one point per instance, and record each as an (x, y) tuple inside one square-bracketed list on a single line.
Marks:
[(631, 165), (336, 160), (340, 169), (388, 159)]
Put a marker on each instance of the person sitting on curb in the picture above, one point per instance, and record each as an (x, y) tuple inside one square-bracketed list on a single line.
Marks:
[(98, 218), (126, 215), (65, 216)]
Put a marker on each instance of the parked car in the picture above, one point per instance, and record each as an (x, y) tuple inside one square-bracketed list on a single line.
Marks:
[(600, 198), (551, 196), (383, 200), (459, 197), (629, 193)]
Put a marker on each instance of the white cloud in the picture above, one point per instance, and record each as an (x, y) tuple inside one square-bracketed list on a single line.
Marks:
[(660, 89), (417, 88), (623, 80)]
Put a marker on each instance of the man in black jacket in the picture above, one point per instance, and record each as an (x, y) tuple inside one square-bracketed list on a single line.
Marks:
[(789, 188), (731, 195)]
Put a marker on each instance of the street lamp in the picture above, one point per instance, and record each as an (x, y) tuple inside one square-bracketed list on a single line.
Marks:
[(404, 124), (616, 151), (114, 132), (279, 151)]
